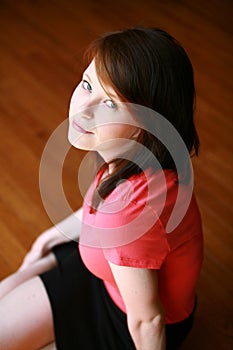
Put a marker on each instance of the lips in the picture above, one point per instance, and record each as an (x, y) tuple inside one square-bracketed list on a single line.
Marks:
[(77, 127)]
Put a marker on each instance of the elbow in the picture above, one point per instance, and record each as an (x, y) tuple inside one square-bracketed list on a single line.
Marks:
[(148, 333), (157, 323), (153, 325)]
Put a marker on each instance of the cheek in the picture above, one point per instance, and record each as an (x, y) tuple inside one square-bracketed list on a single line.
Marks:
[(111, 132), (78, 99)]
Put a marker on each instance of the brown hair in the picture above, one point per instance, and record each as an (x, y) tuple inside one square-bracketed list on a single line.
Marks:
[(148, 67)]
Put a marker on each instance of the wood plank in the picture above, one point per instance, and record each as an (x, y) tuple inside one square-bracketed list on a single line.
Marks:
[(41, 44)]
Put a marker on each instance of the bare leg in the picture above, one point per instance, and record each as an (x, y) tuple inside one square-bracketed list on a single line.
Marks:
[(51, 346), (19, 277), (26, 317)]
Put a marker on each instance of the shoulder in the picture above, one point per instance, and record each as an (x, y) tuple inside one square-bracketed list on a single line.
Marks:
[(147, 185)]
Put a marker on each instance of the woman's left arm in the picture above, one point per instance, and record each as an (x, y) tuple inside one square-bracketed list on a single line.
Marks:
[(145, 314)]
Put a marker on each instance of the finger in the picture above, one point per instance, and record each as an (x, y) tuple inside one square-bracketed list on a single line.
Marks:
[(29, 259)]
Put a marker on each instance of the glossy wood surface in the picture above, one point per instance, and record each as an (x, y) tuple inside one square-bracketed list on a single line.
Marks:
[(41, 45)]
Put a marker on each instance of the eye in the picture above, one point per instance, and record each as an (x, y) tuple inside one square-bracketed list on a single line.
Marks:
[(110, 104), (86, 86)]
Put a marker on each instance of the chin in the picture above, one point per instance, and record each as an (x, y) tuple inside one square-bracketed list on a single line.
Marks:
[(77, 142), (82, 147)]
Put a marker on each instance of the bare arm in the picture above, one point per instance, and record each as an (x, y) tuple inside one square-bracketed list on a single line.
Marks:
[(145, 315), (65, 231)]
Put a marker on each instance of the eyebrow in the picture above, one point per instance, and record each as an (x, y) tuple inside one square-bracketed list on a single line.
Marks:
[(86, 75), (113, 95)]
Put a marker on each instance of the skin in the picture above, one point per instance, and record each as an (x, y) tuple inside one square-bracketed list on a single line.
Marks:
[(145, 314), (31, 327), (138, 287), (24, 291), (110, 126), (109, 130)]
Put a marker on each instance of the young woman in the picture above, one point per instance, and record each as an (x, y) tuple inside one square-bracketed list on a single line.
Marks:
[(130, 282)]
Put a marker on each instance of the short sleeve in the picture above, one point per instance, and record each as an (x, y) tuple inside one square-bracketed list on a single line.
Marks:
[(147, 251)]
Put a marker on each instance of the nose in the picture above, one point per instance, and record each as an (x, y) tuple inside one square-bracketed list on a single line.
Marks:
[(89, 108), (87, 115)]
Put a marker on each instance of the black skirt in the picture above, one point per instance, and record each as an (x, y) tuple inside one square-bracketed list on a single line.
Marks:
[(84, 315)]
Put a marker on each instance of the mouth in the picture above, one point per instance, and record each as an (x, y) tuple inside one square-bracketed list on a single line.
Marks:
[(77, 127)]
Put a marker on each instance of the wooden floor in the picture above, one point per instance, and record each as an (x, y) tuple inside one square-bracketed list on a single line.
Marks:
[(41, 45)]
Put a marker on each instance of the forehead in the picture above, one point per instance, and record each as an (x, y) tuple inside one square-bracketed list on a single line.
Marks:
[(91, 69), (91, 73)]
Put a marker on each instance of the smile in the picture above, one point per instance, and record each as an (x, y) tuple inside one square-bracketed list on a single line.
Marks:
[(77, 127)]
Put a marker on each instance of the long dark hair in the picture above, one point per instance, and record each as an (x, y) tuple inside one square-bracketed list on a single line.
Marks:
[(148, 67)]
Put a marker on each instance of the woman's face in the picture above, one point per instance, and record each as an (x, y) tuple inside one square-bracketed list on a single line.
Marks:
[(98, 120)]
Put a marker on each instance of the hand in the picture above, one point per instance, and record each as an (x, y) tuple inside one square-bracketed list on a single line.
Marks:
[(54, 236), (43, 245)]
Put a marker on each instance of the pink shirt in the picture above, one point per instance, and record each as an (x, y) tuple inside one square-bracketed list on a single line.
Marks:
[(129, 229)]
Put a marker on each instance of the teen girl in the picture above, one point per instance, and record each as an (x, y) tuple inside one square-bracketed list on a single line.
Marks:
[(128, 283)]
